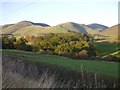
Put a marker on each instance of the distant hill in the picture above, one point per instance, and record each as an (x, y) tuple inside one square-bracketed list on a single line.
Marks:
[(71, 26), (41, 24), (90, 30), (38, 30), (61, 28), (98, 27), (113, 32), (7, 25), (13, 28), (24, 28)]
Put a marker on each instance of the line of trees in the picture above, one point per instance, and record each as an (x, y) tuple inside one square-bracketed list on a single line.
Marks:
[(67, 44)]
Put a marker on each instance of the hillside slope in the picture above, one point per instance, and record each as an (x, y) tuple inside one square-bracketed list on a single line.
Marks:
[(113, 32), (71, 26), (37, 30), (61, 28), (10, 29), (24, 28), (7, 25), (90, 31)]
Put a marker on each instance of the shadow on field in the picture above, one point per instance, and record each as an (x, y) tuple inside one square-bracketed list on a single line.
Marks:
[(18, 72)]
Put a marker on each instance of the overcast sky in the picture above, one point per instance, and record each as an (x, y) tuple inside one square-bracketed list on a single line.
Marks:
[(54, 12)]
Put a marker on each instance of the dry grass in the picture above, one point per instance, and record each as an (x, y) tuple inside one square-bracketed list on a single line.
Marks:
[(14, 80), (17, 75)]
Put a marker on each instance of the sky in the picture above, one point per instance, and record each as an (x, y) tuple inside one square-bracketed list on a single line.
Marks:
[(55, 12)]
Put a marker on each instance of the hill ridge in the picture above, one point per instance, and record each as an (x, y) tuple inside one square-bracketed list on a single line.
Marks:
[(24, 28)]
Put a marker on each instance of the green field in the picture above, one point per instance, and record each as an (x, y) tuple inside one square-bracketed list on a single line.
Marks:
[(104, 49), (99, 67)]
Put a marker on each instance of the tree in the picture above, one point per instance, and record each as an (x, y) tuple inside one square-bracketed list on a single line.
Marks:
[(21, 44), (8, 42)]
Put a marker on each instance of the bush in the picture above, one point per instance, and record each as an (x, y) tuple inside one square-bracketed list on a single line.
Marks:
[(83, 53)]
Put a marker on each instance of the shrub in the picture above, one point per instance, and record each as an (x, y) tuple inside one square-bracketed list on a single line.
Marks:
[(83, 53)]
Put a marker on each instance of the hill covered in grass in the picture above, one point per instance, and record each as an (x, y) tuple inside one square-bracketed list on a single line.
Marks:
[(113, 32), (11, 28), (71, 26), (38, 30), (24, 28)]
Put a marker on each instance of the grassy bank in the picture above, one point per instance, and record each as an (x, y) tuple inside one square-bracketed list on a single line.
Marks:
[(99, 67)]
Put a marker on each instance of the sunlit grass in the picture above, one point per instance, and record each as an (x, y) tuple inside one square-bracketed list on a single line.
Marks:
[(100, 67), (106, 48)]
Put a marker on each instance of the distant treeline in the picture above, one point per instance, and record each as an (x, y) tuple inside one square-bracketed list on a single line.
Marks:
[(67, 44)]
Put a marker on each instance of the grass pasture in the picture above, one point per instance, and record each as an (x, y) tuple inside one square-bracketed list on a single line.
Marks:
[(107, 48), (100, 67)]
